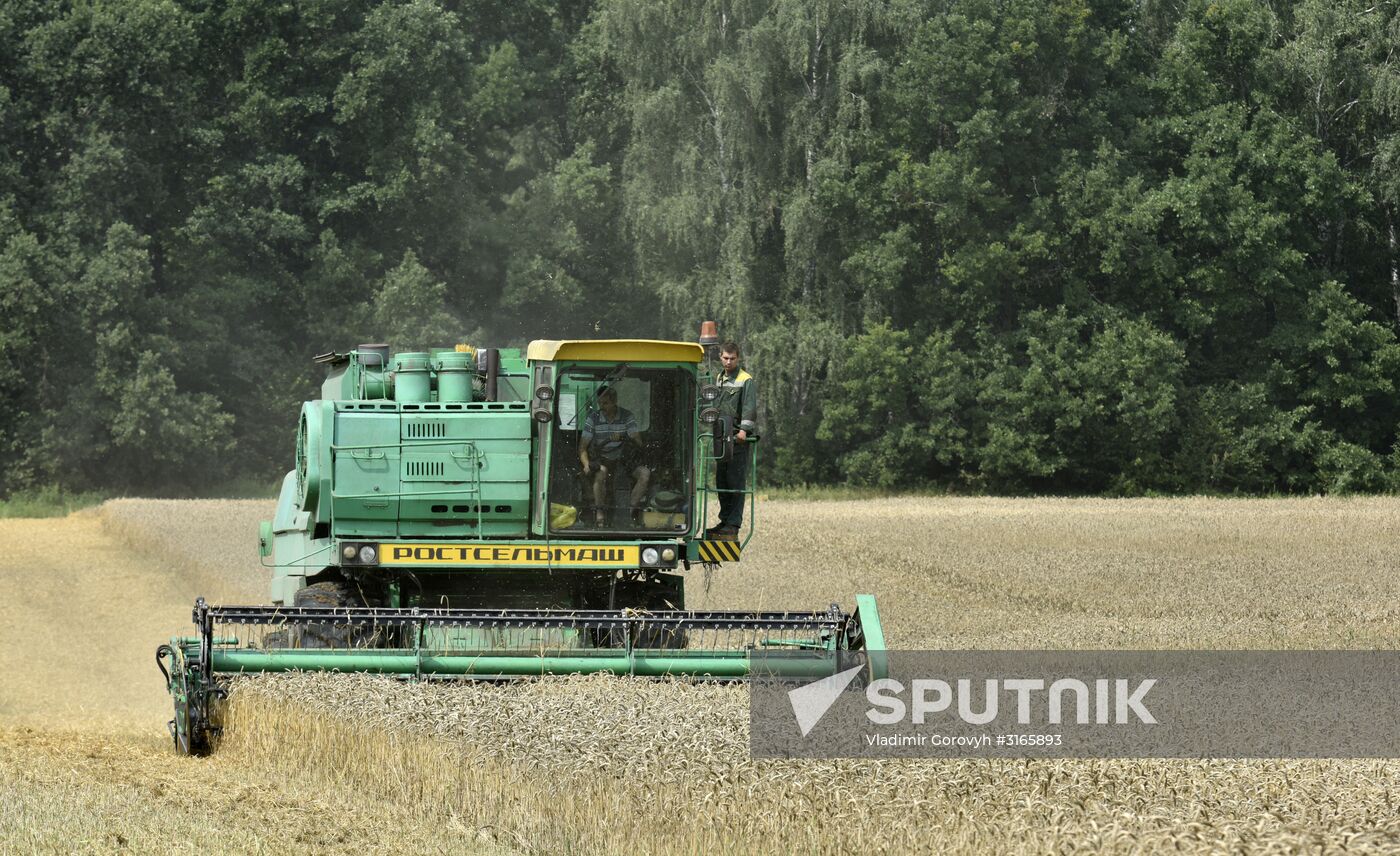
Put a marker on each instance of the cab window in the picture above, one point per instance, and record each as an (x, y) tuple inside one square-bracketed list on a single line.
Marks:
[(634, 427)]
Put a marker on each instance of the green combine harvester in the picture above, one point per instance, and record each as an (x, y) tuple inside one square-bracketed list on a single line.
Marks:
[(439, 524)]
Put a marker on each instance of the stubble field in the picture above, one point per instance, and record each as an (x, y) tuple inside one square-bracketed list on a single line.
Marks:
[(603, 765)]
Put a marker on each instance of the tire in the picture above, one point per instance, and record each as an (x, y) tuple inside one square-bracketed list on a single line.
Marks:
[(323, 634), (663, 600), (664, 640), (331, 595), (645, 637), (658, 598), (661, 638)]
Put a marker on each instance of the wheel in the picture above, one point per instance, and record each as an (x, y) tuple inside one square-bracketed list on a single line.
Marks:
[(654, 638), (656, 595), (322, 634), (331, 595), (327, 634), (663, 597), (662, 638), (665, 640), (189, 732)]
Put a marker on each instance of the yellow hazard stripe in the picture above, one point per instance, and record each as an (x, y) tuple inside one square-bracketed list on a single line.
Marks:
[(719, 551)]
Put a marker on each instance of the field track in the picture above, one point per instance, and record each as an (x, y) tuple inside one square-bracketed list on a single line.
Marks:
[(334, 764)]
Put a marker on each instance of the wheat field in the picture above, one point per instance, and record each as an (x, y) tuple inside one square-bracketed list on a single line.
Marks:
[(602, 765)]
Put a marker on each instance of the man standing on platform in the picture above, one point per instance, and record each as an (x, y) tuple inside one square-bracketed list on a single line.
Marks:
[(738, 403)]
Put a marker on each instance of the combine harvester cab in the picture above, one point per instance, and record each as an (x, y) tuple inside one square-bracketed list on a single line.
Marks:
[(439, 523)]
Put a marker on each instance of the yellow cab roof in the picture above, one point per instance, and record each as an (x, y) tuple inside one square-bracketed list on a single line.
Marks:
[(615, 350)]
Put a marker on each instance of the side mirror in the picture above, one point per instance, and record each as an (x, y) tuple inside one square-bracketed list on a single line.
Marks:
[(720, 439)]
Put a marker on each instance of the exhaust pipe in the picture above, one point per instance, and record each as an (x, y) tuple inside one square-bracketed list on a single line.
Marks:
[(493, 372)]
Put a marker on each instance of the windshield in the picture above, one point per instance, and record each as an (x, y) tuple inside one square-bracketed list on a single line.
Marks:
[(623, 451)]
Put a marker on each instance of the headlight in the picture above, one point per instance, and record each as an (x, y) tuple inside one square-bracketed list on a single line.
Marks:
[(367, 554), (709, 393), (650, 556), (544, 393), (709, 415), (349, 552), (668, 554)]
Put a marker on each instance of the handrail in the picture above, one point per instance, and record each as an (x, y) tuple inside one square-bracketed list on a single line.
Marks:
[(749, 490)]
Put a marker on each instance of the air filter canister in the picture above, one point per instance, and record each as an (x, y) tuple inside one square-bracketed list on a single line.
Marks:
[(412, 379)]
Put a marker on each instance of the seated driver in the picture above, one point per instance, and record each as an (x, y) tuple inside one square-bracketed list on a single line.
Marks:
[(611, 443)]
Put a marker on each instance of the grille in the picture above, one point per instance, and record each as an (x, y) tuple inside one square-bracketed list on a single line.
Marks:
[(426, 430), (421, 469)]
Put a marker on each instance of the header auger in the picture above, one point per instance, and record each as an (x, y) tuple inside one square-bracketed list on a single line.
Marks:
[(439, 524)]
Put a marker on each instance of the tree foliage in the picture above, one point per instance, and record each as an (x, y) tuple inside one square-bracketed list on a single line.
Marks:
[(1070, 246)]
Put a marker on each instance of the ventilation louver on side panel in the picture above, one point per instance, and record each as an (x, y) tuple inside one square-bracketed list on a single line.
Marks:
[(425, 430), (423, 469)]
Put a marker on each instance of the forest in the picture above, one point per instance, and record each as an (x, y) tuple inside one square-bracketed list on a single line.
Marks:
[(1115, 247)]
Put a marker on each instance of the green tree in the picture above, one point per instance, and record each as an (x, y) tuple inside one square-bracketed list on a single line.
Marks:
[(409, 309), (1080, 406)]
